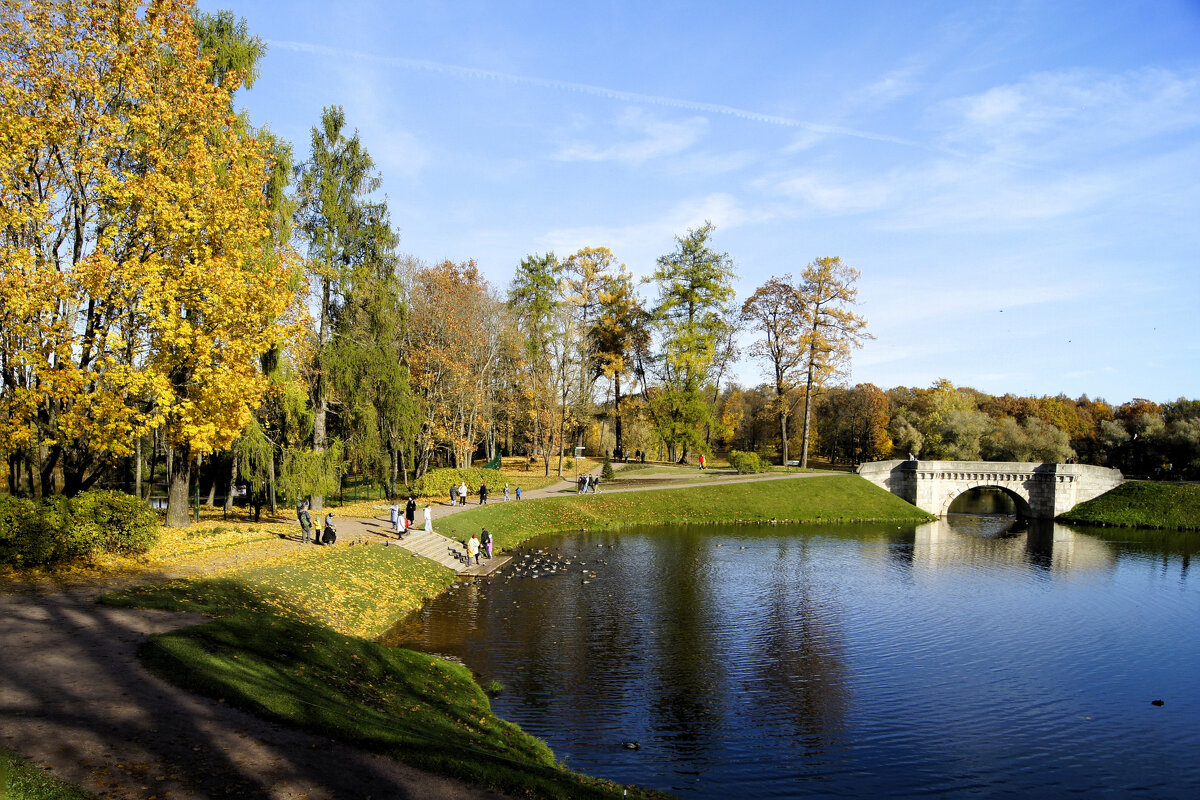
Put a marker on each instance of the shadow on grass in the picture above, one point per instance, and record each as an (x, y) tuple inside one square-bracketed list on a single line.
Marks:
[(415, 708)]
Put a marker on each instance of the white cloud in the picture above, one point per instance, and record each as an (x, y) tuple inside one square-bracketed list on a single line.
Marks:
[(828, 194), (1049, 118), (651, 138)]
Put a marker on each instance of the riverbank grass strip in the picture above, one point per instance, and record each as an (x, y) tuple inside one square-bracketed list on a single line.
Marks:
[(837, 498), (413, 707), (1142, 504), (21, 780)]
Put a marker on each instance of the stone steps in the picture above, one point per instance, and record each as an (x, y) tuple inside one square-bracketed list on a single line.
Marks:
[(435, 547)]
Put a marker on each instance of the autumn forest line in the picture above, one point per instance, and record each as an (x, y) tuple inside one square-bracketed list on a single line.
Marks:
[(185, 295)]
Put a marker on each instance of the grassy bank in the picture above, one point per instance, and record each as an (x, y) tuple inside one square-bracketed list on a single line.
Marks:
[(821, 498), (293, 643), (357, 590), (1142, 504), (412, 707), (20, 780)]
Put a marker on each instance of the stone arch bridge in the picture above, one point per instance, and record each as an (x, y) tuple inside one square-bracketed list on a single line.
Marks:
[(1041, 491)]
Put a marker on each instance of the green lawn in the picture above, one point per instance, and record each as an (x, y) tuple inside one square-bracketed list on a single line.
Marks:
[(20, 780), (825, 498), (1142, 504), (360, 590)]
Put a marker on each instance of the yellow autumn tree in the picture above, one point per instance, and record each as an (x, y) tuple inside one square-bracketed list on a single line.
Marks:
[(138, 278)]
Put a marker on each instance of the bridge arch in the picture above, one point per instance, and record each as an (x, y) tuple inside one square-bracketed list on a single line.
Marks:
[(1024, 511), (1047, 490)]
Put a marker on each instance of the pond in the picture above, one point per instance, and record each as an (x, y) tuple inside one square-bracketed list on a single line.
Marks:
[(971, 656)]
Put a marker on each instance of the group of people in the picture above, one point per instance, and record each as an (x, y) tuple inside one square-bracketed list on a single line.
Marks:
[(588, 483), (403, 523), (623, 455), (479, 544), (458, 494), (328, 535)]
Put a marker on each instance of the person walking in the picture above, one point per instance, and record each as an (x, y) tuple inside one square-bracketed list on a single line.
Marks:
[(485, 539), (453, 494), (483, 493), (395, 509), (410, 512), (428, 519), (462, 493), (518, 492), (473, 549), (305, 521), (506, 497), (329, 533)]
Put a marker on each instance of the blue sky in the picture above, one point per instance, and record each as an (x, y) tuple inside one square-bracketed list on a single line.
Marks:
[(1016, 182)]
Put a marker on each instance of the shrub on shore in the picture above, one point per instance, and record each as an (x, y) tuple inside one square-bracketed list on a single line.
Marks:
[(746, 463), (437, 482), (58, 529)]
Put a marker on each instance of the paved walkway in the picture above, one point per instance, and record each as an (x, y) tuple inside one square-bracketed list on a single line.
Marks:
[(452, 554)]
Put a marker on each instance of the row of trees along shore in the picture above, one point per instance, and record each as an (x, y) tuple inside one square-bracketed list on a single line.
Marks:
[(184, 301)]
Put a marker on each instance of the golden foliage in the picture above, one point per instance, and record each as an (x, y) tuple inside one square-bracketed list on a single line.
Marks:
[(138, 278)]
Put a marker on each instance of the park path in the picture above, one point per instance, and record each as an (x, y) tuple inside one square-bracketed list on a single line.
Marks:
[(74, 698), (448, 550)]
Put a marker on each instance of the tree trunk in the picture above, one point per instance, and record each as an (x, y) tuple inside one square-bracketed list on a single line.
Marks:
[(808, 386), (137, 470), (783, 431), (179, 475), (153, 464), (212, 486), (232, 482), (271, 483), (316, 502), (617, 413)]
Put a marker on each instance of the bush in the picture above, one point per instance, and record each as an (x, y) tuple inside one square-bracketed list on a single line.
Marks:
[(63, 529), (124, 524), (746, 463), (437, 482)]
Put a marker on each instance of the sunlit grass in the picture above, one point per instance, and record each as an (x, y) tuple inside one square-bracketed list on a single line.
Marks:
[(358, 590), (1142, 504), (825, 498), (21, 780)]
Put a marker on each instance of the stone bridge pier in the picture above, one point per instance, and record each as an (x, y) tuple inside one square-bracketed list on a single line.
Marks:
[(1041, 491)]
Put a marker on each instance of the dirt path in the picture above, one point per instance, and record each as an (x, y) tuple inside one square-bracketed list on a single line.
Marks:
[(74, 697)]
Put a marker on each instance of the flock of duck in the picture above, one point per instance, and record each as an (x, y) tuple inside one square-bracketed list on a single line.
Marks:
[(545, 564)]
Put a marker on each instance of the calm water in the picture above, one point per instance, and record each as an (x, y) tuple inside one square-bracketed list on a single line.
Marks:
[(957, 658)]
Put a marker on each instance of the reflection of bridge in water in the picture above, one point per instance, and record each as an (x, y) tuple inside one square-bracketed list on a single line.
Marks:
[(1041, 491), (1041, 545)]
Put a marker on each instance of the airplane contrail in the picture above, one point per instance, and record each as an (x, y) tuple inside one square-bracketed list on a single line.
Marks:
[(589, 89)]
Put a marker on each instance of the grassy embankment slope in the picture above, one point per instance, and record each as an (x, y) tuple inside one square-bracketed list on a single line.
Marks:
[(293, 639), (1142, 504), (816, 498)]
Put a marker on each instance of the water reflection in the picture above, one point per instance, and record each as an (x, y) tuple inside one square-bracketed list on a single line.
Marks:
[(990, 541), (970, 655)]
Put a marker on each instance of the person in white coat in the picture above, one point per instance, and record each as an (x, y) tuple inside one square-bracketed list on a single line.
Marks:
[(428, 520)]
